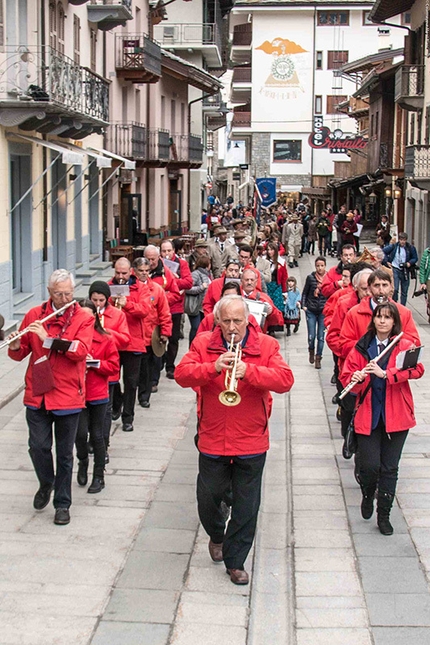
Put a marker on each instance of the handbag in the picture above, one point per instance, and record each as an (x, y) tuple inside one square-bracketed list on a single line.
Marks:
[(192, 304), (350, 441)]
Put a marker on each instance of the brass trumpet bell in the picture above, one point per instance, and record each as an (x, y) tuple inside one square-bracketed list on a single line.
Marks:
[(229, 398)]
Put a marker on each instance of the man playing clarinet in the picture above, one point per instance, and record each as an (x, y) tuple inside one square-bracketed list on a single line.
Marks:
[(54, 387)]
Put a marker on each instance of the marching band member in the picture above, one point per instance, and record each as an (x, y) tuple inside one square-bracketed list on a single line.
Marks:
[(54, 388)]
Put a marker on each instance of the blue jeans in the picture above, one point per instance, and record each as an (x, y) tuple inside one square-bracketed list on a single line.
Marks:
[(401, 279), (315, 323)]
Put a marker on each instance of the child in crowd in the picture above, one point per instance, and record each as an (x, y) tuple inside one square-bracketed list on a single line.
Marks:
[(292, 306)]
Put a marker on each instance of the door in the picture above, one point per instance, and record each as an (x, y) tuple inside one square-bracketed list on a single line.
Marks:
[(59, 215), (20, 181), (175, 200), (131, 218)]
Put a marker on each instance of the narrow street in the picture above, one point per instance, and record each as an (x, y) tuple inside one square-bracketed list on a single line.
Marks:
[(132, 568)]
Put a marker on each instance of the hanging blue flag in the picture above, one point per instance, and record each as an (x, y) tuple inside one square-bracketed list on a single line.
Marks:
[(267, 190)]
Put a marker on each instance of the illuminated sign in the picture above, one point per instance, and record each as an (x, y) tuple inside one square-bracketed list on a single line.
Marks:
[(337, 142)]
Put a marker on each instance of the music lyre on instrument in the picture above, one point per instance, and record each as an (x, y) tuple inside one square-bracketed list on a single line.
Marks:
[(57, 312), (350, 385), (230, 396)]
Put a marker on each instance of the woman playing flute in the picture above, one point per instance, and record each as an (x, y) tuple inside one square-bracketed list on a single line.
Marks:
[(384, 410)]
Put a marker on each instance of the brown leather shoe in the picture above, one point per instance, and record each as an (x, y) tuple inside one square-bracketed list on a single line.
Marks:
[(238, 576), (318, 362), (215, 551), (311, 356)]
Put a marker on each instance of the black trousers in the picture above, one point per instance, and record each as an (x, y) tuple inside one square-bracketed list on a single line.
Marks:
[(91, 421), (130, 376), (107, 422), (379, 458), (214, 480), (173, 346), (146, 372), (40, 423)]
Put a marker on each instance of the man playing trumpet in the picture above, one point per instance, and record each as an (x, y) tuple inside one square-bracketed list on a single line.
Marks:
[(54, 387), (232, 438)]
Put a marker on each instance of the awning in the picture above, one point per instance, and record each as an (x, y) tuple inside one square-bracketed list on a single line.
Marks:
[(102, 162), (311, 191), (128, 164), (286, 188), (69, 157)]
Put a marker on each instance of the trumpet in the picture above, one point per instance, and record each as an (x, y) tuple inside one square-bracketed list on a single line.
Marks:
[(57, 312), (230, 396), (117, 305)]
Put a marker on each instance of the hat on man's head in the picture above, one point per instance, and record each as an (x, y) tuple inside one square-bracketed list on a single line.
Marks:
[(220, 230), (99, 286), (239, 235), (235, 222), (200, 243)]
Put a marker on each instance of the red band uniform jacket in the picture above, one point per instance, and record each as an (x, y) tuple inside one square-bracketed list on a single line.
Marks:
[(104, 349), (243, 429), (68, 368)]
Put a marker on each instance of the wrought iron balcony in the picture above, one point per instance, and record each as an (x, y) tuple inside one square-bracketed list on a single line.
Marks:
[(158, 147), (417, 162), (137, 58), (42, 83), (128, 140), (409, 87), (186, 151), (201, 36), (109, 14), (195, 148), (212, 103)]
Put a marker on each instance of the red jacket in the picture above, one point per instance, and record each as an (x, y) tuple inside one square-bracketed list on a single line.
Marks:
[(399, 404), (68, 368), (136, 309), (159, 310), (184, 281), (357, 321), (104, 349), (282, 276), (342, 308), (114, 320), (168, 282), (331, 303), (330, 283), (212, 295), (240, 430)]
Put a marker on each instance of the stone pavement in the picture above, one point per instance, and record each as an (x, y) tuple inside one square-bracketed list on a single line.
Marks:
[(132, 568)]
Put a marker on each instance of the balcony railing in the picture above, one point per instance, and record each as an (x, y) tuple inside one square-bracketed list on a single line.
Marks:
[(241, 120), (127, 140), (242, 75), (158, 145), (212, 103), (417, 162), (110, 13), (137, 57), (409, 87), (187, 35), (195, 149), (242, 38), (45, 76)]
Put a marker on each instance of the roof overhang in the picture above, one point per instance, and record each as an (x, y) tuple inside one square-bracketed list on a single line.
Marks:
[(383, 9), (189, 73)]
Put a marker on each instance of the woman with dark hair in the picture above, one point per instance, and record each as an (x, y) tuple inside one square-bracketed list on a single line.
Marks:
[(278, 284), (313, 303), (202, 277), (384, 410), (102, 363)]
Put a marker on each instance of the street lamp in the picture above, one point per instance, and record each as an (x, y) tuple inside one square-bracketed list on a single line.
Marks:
[(388, 192), (397, 192), (373, 197)]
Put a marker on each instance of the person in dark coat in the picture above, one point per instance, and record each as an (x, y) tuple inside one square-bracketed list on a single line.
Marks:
[(313, 302)]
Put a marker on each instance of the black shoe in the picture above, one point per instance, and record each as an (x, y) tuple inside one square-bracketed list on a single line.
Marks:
[(42, 497), (333, 379), (144, 404), (127, 427), (83, 472), (116, 414), (296, 329), (296, 264), (384, 525), (97, 485), (62, 516), (154, 389), (288, 332), (367, 506), (335, 400), (170, 374), (291, 265)]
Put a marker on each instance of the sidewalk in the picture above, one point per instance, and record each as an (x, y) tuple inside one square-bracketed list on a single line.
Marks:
[(132, 568)]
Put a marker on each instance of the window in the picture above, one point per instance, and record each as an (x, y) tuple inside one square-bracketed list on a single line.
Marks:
[(1, 24), (333, 101), (366, 21), (60, 28), (427, 126), (412, 130), (173, 116), (318, 105), (376, 124), (336, 59), (76, 39), (285, 151), (328, 18), (93, 48), (163, 112), (419, 125), (406, 18), (53, 25), (319, 60)]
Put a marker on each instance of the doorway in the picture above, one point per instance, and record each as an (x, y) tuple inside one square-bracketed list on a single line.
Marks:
[(175, 202), (59, 215), (21, 238)]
